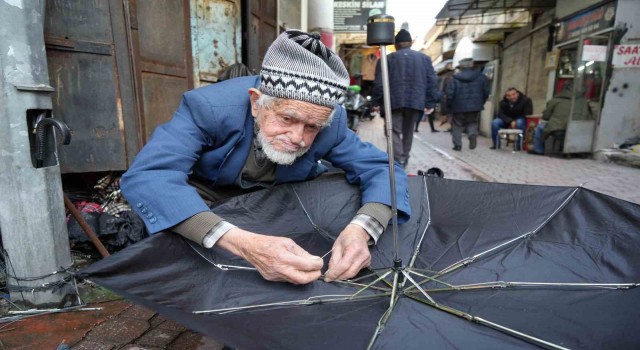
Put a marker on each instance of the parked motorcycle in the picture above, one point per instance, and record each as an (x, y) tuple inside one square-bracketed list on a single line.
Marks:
[(357, 107)]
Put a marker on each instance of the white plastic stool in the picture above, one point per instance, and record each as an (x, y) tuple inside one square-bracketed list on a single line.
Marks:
[(508, 134)]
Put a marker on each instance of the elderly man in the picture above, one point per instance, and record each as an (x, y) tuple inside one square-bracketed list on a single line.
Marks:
[(256, 132)]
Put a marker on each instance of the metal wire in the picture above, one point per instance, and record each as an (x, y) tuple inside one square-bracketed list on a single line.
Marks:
[(424, 233)]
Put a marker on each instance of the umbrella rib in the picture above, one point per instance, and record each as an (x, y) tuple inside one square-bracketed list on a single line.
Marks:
[(424, 233), (372, 283), (223, 267), (468, 260), (315, 227), (383, 321), (418, 286), (362, 285), (318, 299), (429, 278), (482, 321), (518, 285)]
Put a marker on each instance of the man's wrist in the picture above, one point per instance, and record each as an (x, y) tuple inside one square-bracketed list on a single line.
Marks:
[(216, 232)]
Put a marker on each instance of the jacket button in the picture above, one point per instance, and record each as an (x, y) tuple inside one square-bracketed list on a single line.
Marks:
[(152, 220), (143, 210), (150, 215), (139, 205)]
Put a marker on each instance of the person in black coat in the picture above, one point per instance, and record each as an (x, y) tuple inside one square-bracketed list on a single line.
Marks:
[(514, 108), (466, 95)]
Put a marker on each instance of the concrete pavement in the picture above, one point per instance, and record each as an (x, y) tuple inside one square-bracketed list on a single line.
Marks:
[(504, 165)]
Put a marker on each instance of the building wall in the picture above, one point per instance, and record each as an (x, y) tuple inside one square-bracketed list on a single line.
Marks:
[(289, 14), (515, 65), (538, 75), (567, 7), (620, 118)]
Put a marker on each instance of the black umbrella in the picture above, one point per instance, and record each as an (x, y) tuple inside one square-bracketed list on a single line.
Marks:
[(486, 265)]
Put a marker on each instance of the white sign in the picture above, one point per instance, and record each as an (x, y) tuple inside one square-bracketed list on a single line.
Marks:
[(626, 56), (596, 53)]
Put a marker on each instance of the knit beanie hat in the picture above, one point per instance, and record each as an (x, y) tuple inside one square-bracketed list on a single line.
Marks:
[(299, 66), (403, 36)]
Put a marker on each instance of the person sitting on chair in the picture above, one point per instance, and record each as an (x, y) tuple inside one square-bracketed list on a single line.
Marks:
[(556, 116), (514, 108)]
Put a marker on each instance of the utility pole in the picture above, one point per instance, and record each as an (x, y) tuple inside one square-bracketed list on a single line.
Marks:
[(32, 216)]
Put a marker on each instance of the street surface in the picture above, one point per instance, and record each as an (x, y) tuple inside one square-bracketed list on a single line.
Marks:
[(503, 165)]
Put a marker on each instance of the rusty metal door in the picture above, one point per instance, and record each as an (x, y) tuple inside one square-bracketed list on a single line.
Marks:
[(261, 30), (161, 37), (89, 68)]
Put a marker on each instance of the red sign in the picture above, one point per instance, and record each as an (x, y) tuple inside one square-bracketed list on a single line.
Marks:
[(626, 56)]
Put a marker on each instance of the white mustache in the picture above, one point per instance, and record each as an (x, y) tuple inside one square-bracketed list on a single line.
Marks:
[(287, 140)]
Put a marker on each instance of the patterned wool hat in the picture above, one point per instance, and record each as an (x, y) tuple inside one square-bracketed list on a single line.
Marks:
[(299, 66)]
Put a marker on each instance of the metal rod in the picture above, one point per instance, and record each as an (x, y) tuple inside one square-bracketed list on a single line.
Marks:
[(517, 285), (394, 290), (381, 323), (428, 278), (490, 324), (469, 260), (389, 128), (89, 231), (372, 283), (302, 302), (347, 282), (424, 233), (419, 288)]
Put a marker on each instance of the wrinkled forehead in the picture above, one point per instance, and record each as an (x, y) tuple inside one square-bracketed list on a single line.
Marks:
[(304, 111)]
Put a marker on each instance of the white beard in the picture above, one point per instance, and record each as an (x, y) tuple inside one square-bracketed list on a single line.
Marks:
[(278, 157)]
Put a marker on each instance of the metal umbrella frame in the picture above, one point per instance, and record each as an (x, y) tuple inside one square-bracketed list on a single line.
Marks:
[(393, 282)]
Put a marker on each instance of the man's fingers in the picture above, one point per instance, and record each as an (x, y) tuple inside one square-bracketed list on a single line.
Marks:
[(301, 277), (336, 258), (300, 259), (349, 264), (355, 268)]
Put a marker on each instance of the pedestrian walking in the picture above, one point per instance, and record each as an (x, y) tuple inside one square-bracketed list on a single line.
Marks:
[(413, 91), (466, 95)]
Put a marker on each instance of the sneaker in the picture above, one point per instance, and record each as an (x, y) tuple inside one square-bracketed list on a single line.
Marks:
[(492, 147), (457, 148), (434, 130), (473, 142)]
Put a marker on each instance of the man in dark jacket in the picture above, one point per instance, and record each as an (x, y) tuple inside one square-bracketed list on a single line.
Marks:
[(413, 91), (466, 95), (514, 108)]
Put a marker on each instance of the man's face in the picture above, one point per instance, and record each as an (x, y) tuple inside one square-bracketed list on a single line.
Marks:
[(512, 96), (288, 127)]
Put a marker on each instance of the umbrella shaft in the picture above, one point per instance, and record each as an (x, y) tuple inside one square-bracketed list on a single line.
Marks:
[(389, 127)]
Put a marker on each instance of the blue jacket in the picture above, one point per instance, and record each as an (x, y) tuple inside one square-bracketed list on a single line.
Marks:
[(412, 81), (468, 91), (210, 135)]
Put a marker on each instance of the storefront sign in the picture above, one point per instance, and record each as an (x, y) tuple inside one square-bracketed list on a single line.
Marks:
[(588, 22), (626, 56), (352, 15), (596, 53)]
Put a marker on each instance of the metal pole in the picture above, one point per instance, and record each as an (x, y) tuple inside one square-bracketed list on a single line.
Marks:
[(389, 127), (32, 216)]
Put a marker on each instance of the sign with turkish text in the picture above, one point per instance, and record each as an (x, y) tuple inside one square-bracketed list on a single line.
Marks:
[(352, 15), (587, 22), (626, 56), (596, 53)]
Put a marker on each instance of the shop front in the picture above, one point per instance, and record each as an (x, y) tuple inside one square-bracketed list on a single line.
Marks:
[(581, 63)]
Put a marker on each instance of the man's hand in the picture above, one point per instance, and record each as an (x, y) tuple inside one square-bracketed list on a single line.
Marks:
[(276, 258), (428, 111), (350, 254)]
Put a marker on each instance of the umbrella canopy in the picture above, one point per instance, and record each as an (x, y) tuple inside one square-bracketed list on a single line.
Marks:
[(485, 265)]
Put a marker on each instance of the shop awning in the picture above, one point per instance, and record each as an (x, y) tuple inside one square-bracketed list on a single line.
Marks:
[(495, 35), (460, 10)]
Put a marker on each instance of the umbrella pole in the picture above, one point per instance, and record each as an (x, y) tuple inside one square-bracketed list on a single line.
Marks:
[(380, 31)]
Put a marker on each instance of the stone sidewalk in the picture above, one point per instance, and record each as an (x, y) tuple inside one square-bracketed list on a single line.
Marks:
[(504, 165)]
